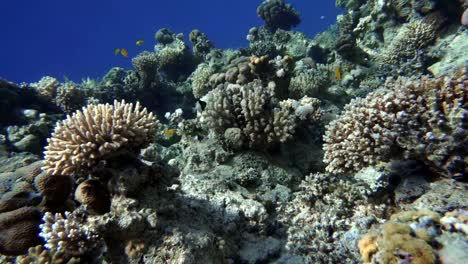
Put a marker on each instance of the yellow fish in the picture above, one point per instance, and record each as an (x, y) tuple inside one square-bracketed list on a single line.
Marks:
[(124, 52), (169, 132), (139, 42), (338, 73), (116, 51)]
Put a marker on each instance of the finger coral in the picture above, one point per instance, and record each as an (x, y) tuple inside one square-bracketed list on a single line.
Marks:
[(423, 119), (85, 137)]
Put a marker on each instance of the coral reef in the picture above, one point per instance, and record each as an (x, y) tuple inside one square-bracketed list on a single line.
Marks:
[(19, 229), (40, 255), (420, 118), (175, 58), (146, 65), (248, 166), (412, 235), (200, 78), (201, 44), (83, 139), (68, 96), (68, 234), (409, 43), (252, 109), (322, 216), (311, 82), (278, 14)]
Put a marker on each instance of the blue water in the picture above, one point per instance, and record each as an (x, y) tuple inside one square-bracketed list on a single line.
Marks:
[(77, 38)]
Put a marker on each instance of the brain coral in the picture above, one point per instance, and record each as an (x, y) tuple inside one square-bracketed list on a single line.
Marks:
[(424, 119), (85, 137)]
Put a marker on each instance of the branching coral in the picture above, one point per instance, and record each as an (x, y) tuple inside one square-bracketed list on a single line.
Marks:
[(277, 14), (70, 234), (85, 137), (254, 109), (424, 119)]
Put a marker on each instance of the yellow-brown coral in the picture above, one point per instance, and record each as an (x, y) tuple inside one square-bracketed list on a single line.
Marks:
[(367, 247), (85, 137)]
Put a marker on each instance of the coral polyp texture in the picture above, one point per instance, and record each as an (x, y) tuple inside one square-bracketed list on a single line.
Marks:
[(85, 137), (146, 64), (278, 14), (253, 109), (423, 119), (289, 149), (70, 234), (409, 43)]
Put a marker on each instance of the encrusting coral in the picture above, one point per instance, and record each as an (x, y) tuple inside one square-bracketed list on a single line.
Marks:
[(423, 119), (419, 236), (84, 138)]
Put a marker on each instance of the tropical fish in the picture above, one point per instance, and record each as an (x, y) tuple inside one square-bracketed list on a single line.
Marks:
[(124, 52), (139, 42), (338, 73), (169, 132), (116, 51)]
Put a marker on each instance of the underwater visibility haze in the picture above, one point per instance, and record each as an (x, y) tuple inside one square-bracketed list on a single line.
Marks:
[(274, 131), (76, 39)]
